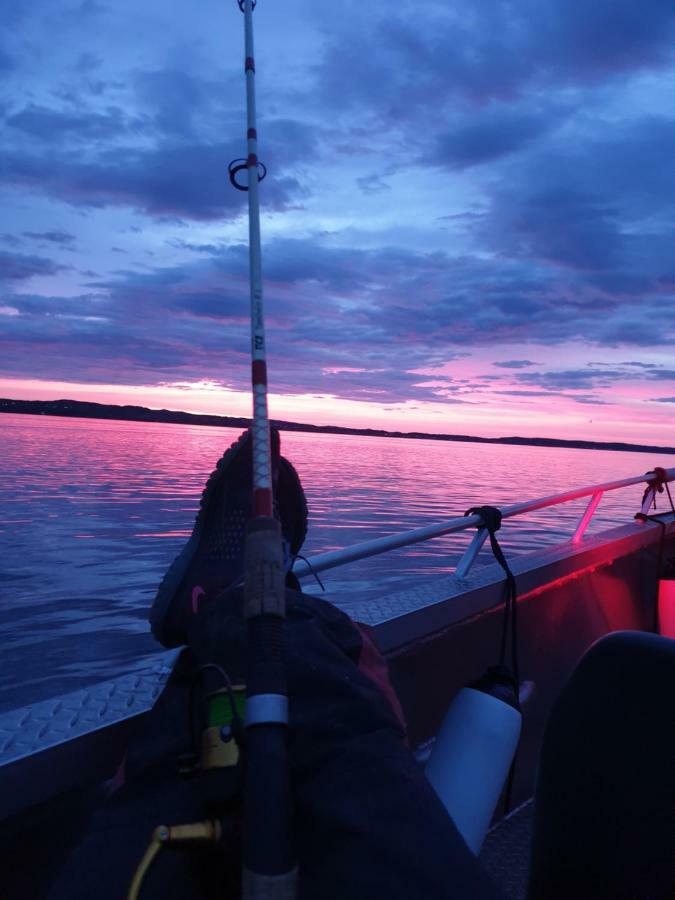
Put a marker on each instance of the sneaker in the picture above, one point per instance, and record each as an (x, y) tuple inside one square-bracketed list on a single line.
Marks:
[(213, 558)]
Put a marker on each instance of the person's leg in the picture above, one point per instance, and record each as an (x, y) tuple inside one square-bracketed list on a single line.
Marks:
[(213, 557), (604, 822), (367, 822)]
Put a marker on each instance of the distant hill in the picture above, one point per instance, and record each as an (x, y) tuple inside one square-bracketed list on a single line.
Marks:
[(78, 409)]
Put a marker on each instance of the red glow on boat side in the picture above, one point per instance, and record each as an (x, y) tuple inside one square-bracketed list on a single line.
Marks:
[(558, 582), (667, 607)]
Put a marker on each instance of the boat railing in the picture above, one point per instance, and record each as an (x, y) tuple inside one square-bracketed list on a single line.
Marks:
[(330, 560)]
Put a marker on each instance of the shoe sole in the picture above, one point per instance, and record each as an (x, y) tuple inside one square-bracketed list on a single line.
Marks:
[(173, 578)]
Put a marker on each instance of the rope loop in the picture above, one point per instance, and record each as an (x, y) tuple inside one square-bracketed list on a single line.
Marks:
[(658, 484), (241, 4), (491, 516), (238, 165)]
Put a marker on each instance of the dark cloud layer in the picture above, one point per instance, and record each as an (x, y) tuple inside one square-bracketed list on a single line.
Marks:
[(515, 364), (546, 121), (163, 155), (158, 182), (490, 135), (20, 266), (495, 50), (62, 238), (343, 321), (51, 125)]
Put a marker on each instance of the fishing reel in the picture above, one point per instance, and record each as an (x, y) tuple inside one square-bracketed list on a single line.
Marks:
[(216, 719), (223, 735)]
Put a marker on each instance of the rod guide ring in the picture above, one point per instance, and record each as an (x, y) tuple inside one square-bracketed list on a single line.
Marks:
[(239, 165)]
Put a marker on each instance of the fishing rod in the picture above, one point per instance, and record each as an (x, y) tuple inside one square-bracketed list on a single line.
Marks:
[(268, 859), (268, 871)]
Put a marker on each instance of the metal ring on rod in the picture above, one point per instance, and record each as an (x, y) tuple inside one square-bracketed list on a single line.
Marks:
[(241, 4), (238, 165)]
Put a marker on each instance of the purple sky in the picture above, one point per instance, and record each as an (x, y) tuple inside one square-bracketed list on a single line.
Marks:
[(468, 219)]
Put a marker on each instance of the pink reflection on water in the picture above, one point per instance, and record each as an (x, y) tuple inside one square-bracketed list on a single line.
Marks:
[(93, 512), (138, 485)]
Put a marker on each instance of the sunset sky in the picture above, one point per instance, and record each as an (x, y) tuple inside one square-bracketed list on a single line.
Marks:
[(468, 223)]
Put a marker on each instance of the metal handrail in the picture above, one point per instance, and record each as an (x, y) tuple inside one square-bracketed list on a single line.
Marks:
[(335, 558)]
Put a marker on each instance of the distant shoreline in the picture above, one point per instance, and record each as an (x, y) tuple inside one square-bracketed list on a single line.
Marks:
[(83, 410)]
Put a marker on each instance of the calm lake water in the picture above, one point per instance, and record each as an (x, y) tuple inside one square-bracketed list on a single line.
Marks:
[(92, 512)]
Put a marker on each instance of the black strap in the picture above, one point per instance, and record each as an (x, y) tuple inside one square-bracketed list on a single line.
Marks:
[(491, 519)]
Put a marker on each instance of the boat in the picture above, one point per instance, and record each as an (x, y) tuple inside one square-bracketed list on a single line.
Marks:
[(59, 758), (56, 756)]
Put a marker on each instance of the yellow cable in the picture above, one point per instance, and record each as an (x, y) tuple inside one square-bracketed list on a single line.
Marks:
[(209, 832), (158, 840)]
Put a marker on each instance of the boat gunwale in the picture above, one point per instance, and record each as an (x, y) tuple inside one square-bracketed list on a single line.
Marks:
[(377, 546)]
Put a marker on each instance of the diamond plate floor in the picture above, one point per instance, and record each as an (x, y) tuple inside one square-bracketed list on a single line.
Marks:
[(506, 852), (36, 728)]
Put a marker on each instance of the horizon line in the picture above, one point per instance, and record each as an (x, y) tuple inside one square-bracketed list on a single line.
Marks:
[(173, 417)]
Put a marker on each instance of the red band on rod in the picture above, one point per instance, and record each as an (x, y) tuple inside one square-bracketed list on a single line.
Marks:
[(252, 134), (262, 502), (259, 371), (250, 64), (252, 161)]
